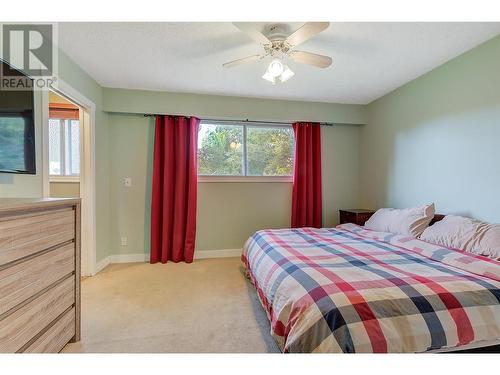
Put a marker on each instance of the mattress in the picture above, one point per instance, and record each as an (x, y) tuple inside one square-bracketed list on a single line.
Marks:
[(352, 290)]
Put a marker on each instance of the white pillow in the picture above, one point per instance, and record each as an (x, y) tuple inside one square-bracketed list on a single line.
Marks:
[(410, 221), (467, 234), (486, 241), (452, 231)]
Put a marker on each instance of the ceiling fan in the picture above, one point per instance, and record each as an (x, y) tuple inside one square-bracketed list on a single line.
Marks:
[(281, 47)]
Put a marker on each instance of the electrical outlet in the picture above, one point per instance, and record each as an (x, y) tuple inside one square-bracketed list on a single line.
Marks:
[(124, 241), (127, 182)]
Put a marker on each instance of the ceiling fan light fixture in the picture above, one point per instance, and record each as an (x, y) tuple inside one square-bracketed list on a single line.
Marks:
[(269, 77), (275, 68), (281, 47), (287, 74)]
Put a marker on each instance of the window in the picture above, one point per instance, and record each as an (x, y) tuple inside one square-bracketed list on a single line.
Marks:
[(64, 147), (239, 149)]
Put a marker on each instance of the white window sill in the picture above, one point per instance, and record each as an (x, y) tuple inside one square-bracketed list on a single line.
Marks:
[(68, 179), (287, 179)]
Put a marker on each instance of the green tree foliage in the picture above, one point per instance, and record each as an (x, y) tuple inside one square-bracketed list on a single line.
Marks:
[(269, 151), (221, 151)]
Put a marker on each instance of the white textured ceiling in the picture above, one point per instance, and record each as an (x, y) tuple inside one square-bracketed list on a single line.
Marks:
[(369, 59)]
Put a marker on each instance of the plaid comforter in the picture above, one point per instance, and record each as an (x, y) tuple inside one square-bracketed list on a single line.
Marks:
[(350, 290)]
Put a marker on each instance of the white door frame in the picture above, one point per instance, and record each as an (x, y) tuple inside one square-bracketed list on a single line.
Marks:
[(87, 168)]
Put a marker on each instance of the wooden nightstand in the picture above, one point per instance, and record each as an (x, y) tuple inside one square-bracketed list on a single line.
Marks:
[(355, 216)]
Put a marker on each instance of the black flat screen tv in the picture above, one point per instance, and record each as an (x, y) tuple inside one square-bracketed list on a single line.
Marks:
[(17, 128)]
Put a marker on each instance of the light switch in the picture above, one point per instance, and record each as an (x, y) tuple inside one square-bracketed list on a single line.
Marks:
[(123, 241), (128, 182)]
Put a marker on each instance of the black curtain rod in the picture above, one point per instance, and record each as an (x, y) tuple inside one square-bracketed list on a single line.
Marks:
[(251, 121)]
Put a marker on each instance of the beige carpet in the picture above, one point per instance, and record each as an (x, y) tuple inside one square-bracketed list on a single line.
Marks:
[(206, 306)]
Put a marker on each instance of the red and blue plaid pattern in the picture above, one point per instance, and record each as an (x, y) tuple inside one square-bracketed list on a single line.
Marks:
[(354, 290)]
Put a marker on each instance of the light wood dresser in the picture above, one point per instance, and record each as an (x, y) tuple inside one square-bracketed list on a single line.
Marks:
[(39, 274)]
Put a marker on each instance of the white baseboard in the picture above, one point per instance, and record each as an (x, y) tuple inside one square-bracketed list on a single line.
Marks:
[(226, 253), (128, 258), (103, 263), (121, 258), (134, 258)]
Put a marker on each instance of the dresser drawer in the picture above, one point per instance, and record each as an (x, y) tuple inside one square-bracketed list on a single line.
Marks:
[(28, 234), (18, 328), (25, 279), (363, 218), (56, 337), (354, 216), (347, 217)]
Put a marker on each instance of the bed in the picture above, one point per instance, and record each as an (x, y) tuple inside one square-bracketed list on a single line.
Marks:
[(353, 290)]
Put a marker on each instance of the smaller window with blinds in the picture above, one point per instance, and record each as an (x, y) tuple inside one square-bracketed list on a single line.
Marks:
[(64, 144)]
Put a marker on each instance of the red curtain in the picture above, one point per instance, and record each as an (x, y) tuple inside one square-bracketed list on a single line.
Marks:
[(306, 193), (173, 203)]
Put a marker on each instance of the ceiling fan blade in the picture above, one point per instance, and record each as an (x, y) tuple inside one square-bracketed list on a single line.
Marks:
[(244, 60), (249, 29), (307, 31), (311, 59)]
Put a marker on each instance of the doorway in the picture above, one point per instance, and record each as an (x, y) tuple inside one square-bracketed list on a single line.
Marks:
[(68, 160), (64, 147)]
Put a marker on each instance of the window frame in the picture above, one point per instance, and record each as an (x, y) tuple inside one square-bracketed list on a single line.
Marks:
[(245, 177), (63, 177)]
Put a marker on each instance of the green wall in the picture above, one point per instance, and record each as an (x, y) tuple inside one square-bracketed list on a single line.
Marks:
[(73, 75), (130, 148), (227, 213), (437, 139), (434, 139), (229, 107), (32, 185)]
